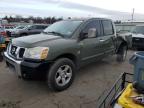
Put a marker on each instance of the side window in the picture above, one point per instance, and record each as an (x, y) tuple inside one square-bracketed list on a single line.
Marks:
[(93, 24), (37, 27), (44, 27), (40, 27), (108, 27), (32, 27)]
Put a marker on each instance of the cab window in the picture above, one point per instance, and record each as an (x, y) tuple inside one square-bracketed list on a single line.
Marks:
[(107, 27)]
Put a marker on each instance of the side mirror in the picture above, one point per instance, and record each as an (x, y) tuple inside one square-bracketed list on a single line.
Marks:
[(83, 35), (92, 32)]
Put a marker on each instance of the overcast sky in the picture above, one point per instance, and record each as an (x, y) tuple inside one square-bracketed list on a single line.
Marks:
[(115, 9)]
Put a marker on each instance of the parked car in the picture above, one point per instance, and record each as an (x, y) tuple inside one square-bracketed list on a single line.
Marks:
[(63, 48), (28, 30), (138, 37), (9, 31), (4, 40), (3, 32), (8, 27)]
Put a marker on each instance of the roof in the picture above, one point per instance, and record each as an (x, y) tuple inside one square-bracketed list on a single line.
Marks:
[(85, 19), (140, 25)]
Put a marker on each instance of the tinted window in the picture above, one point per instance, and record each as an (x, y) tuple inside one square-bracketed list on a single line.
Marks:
[(19, 27), (40, 27), (93, 24), (108, 28), (32, 27), (44, 27)]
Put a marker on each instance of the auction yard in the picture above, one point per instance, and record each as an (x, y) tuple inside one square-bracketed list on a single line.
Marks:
[(89, 84)]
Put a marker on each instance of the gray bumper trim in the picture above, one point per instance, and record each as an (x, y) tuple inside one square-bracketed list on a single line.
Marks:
[(13, 62)]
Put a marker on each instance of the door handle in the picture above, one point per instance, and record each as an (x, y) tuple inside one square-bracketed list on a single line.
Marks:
[(101, 40)]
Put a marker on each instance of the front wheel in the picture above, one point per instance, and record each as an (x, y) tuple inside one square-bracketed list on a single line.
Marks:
[(61, 74), (122, 53)]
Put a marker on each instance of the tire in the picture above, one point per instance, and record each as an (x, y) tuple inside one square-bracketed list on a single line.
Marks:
[(122, 53), (63, 68)]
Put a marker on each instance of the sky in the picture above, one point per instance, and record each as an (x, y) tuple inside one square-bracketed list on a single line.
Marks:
[(115, 9)]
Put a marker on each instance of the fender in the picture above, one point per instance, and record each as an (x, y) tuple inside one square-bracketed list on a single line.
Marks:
[(121, 40)]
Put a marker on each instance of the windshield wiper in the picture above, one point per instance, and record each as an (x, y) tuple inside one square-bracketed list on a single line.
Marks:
[(57, 33)]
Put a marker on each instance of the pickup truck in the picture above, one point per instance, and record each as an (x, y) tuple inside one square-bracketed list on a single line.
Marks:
[(138, 37), (62, 48)]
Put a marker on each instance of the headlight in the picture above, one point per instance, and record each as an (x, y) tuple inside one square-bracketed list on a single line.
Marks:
[(36, 53)]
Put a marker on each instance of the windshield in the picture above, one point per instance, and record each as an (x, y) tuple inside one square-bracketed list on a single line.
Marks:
[(138, 30), (65, 28)]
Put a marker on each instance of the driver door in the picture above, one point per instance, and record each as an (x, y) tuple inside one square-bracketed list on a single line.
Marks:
[(91, 47)]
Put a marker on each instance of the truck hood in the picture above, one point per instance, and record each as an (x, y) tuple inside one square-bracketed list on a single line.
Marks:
[(34, 40), (138, 35)]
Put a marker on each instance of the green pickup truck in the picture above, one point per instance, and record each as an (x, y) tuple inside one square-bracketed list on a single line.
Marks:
[(63, 48)]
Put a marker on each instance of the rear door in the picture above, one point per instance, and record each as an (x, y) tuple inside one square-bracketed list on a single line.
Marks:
[(40, 28), (32, 30), (107, 36)]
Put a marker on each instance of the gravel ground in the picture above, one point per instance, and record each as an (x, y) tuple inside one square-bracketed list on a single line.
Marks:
[(89, 84)]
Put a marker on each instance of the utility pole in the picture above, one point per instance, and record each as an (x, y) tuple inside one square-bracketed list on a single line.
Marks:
[(133, 14)]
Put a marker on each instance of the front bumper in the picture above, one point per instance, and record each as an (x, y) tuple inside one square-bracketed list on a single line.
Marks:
[(28, 68)]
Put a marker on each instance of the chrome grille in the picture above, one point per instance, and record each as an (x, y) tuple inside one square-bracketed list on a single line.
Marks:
[(15, 51), (137, 40), (21, 52)]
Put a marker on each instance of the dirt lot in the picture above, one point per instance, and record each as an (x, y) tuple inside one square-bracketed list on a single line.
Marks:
[(90, 82)]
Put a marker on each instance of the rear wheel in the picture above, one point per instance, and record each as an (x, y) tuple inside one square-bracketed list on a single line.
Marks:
[(122, 53), (61, 74)]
